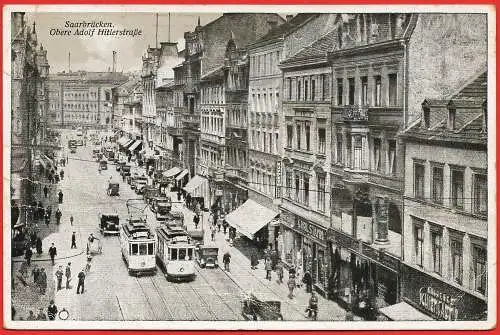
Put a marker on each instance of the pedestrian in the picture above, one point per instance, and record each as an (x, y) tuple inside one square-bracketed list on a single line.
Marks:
[(58, 216), (49, 211), (212, 232), (268, 266), (313, 306), (47, 219), (81, 282), (60, 195), (59, 275), (254, 261), (291, 286), (188, 200), (73, 240), (61, 174), (42, 281), (28, 254), (196, 220), (211, 219), (52, 252), (179, 195), (31, 316), (307, 280), (41, 315), (68, 275), (41, 210), (224, 226), (36, 274), (279, 272), (38, 245), (52, 310), (45, 191), (218, 225), (71, 219), (226, 259)]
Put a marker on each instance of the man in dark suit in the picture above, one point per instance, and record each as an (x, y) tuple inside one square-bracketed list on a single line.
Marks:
[(52, 253)]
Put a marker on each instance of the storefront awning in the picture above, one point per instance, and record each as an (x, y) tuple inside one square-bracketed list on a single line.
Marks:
[(48, 161), (182, 175), (172, 172), (250, 217), (122, 140), (193, 185), (135, 146), (128, 143), (404, 312)]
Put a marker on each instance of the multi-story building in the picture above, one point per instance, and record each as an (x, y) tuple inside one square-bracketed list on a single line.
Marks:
[(29, 69), (83, 98), (205, 54), (378, 66), (119, 95), (306, 156), (264, 101), (446, 206)]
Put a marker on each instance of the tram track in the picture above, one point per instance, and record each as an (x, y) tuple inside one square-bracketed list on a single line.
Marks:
[(190, 305), (159, 294)]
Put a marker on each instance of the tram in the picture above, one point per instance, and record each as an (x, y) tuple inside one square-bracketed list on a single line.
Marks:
[(175, 253), (138, 246)]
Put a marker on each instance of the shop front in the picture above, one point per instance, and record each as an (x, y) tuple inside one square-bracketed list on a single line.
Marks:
[(362, 276), (302, 243), (438, 299)]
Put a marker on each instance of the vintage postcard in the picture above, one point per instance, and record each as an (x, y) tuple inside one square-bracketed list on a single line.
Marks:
[(252, 167)]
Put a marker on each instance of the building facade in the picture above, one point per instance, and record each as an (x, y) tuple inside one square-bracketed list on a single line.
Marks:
[(446, 206)]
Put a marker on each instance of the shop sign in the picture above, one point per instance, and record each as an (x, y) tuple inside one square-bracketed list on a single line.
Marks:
[(346, 241), (278, 179), (310, 229), (219, 177), (218, 193), (440, 305)]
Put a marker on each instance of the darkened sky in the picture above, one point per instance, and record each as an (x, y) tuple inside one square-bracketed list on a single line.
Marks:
[(95, 53)]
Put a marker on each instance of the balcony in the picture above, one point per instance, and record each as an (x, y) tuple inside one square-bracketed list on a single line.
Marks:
[(213, 138), (355, 113), (236, 173), (191, 120)]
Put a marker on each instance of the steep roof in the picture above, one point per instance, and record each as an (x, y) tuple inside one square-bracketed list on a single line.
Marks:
[(285, 28), (317, 50)]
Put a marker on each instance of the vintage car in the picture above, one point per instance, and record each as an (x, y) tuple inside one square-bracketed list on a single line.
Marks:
[(109, 223), (103, 165), (113, 189), (175, 219), (150, 192), (196, 237), (95, 152), (140, 184), (119, 165), (161, 206), (125, 170), (72, 150), (207, 256), (255, 309)]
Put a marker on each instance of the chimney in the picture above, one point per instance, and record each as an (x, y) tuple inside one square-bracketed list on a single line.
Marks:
[(289, 17), (114, 61)]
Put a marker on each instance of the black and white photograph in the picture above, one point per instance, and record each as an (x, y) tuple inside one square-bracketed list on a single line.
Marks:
[(249, 167)]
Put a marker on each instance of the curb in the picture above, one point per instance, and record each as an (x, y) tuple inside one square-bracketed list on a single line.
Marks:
[(48, 259)]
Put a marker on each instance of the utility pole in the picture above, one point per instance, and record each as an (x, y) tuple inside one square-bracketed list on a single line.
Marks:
[(156, 37), (169, 27), (69, 62)]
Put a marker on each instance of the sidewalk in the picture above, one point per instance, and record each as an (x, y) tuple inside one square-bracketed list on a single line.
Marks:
[(255, 280)]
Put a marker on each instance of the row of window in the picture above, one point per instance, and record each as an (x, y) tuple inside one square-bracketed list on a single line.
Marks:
[(236, 115), (455, 258), (367, 92), (265, 64), (458, 194), (236, 157), (212, 124), (265, 102), (80, 106), (262, 181), (211, 157), (212, 95), (299, 137), (308, 88), (297, 188), (265, 141)]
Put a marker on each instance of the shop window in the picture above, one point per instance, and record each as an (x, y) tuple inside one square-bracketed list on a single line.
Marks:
[(340, 91), (437, 184), (480, 194), (479, 269), (364, 90), (378, 90), (457, 188), (376, 154), (419, 178), (456, 260), (392, 156), (393, 89), (322, 140), (419, 242), (321, 193), (351, 90), (436, 238)]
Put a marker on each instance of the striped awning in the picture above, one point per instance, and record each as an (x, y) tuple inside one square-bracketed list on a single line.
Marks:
[(136, 145), (172, 172), (182, 175)]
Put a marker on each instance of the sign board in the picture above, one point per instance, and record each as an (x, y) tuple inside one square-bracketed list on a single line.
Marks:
[(278, 180), (439, 304), (310, 229)]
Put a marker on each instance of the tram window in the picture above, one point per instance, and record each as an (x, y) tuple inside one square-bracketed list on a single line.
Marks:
[(134, 249), (150, 248), (182, 254), (190, 254), (143, 249), (173, 256)]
